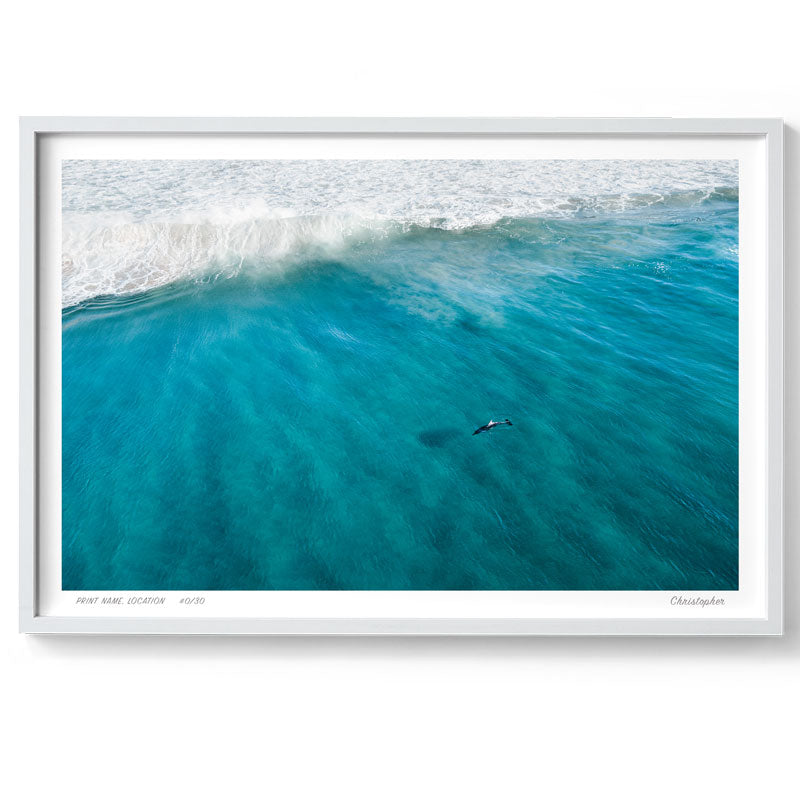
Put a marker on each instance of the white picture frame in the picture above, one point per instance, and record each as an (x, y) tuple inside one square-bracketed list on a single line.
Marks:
[(36, 318)]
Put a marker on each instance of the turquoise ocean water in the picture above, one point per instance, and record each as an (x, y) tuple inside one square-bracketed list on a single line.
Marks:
[(303, 419)]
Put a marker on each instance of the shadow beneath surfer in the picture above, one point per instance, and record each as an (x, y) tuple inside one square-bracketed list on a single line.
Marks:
[(437, 437)]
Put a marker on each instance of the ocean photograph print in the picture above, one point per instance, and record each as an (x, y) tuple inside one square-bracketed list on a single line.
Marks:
[(421, 378), (273, 374)]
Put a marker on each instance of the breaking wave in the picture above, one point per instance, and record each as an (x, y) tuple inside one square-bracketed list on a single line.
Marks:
[(136, 256), (132, 226)]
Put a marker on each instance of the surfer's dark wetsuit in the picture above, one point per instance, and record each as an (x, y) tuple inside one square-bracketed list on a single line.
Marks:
[(491, 424)]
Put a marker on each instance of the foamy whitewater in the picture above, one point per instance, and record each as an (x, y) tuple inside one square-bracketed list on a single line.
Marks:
[(129, 226)]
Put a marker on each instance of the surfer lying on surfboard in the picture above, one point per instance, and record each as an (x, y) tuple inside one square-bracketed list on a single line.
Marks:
[(491, 424)]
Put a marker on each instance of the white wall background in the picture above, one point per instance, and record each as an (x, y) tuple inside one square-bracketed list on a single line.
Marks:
[(156, 718)]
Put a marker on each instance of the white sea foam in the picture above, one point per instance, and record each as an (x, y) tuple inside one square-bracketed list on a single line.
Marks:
[(134, 256), (134, 225)]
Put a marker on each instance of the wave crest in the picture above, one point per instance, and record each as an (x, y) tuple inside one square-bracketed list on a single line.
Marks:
[(118, 256), (136, 256)]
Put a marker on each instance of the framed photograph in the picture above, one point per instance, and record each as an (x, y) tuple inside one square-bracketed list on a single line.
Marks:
[(401, 376)]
